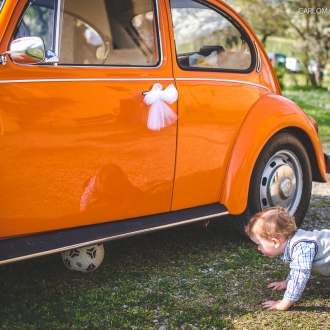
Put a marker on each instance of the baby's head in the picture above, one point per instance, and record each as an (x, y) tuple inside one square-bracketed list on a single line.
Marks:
[(273, 222)]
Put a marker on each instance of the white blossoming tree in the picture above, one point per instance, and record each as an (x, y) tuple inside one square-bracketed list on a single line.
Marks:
[(305, 21), (309, 24)]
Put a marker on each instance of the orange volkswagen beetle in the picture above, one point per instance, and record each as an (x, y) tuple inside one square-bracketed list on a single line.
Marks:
[(122, 117)]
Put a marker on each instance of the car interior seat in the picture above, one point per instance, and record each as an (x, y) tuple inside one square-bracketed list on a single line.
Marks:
[(207, 50)]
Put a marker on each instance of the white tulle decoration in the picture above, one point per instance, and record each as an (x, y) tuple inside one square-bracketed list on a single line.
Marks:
[(160, 114)]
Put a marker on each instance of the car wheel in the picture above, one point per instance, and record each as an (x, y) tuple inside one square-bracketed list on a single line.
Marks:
[(281, 176)]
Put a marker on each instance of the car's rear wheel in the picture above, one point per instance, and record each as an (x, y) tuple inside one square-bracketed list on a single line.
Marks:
[(281, 176)]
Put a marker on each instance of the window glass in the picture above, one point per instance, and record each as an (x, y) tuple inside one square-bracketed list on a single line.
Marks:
[(80, 43), (205, 39), (144, 29), (38, 21), (108, 32)]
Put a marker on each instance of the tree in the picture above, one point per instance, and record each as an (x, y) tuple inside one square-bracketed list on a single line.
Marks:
[(306, 21), (309, 24), (265, 16)]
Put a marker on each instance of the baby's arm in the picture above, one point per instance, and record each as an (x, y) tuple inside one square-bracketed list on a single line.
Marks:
[(301, 266)]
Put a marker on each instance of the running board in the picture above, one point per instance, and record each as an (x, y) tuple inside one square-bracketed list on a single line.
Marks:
[(19, 248)]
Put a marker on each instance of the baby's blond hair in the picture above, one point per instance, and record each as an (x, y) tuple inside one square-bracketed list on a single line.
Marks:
[(272, 222)]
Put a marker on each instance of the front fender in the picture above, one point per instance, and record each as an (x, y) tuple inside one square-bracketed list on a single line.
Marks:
[(271, 114)]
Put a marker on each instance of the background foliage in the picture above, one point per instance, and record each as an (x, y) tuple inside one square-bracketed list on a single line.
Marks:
[(305, 22)]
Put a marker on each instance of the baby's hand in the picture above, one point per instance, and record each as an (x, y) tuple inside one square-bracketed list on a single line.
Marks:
[(270, 304), (281, 305), (278, 285)]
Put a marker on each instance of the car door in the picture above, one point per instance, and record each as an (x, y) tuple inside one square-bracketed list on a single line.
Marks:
[(75, 147), (217, 81)]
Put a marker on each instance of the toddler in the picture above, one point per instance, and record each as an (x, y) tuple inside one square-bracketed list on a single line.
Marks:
[(274, 231)]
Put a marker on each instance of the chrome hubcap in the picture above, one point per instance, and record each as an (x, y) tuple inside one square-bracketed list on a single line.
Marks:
[(286, 187), (281, 182)]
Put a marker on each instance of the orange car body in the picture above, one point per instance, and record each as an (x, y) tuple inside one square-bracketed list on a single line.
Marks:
[(61, 124)]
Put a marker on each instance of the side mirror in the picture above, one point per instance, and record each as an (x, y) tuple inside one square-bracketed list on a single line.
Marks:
[(27, 50)]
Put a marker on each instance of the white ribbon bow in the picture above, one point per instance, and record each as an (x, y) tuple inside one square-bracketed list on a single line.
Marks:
[(160, 114)]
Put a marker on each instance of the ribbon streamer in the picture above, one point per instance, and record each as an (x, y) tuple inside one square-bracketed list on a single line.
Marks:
[(160, 114)]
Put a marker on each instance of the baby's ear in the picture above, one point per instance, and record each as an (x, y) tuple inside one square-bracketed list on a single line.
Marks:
[(276, 242)]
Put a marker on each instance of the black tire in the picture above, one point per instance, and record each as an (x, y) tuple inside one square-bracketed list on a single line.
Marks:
[(286, 156)]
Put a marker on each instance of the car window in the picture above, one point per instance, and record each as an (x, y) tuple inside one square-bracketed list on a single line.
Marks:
[(108, 32), (205, 39), (38, 21), (144, 29), (80, 43)]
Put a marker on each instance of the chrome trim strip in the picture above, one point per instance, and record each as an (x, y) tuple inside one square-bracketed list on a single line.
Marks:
[(2, 4), (258, 58), (223, 80), (82, 79), (138, 232), (105, 66), (160, 45), (128, 79), (57, 26)]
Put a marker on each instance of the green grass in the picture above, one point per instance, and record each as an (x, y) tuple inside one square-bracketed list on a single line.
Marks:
[(297, 81)]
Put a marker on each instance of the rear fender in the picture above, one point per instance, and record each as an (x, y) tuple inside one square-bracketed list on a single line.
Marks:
[(271, 114)]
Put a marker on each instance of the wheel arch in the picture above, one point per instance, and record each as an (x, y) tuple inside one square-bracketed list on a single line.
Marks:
[(269, 116), (305, 139)]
